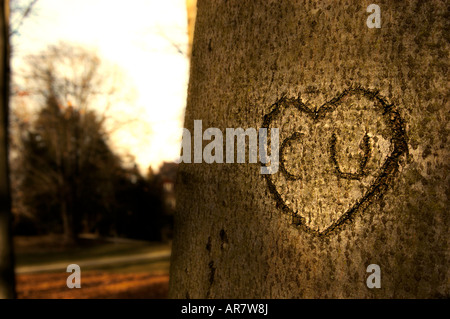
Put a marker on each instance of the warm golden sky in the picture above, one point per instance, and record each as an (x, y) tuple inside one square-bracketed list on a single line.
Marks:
[(133, 34)]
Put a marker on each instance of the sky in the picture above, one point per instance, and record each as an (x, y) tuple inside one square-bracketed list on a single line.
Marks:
[(137, 36)]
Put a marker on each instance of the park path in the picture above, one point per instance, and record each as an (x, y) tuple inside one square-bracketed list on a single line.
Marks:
[(92, 262)]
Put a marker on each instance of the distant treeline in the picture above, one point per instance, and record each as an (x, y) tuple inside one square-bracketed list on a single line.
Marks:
[(65, 178)]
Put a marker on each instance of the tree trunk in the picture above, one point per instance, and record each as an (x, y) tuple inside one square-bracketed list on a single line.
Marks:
[(6, 252), (67, 222), (363, 176)]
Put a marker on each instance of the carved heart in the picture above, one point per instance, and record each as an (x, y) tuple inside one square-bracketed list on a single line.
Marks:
[(334, 159)]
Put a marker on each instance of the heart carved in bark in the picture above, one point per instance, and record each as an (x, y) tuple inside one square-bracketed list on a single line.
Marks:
[(335, 159)]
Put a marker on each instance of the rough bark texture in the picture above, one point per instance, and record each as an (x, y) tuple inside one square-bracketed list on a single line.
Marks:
[(363, 180), (6, 256)]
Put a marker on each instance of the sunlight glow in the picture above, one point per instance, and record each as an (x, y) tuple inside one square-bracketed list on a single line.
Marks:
[(138, 36)]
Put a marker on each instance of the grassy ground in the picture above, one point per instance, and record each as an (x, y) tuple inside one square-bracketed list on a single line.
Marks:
[(141, 279), (94, 285)]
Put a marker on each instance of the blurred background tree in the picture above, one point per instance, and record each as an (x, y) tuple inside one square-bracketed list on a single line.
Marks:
[(71, 172), (6, 254), (12, 15), (67, 179)]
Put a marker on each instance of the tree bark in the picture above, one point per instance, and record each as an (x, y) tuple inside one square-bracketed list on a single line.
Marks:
[(363, 179), (6, 253)]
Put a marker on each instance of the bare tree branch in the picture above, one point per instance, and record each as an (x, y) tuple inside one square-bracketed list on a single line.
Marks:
[(18, 15)]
